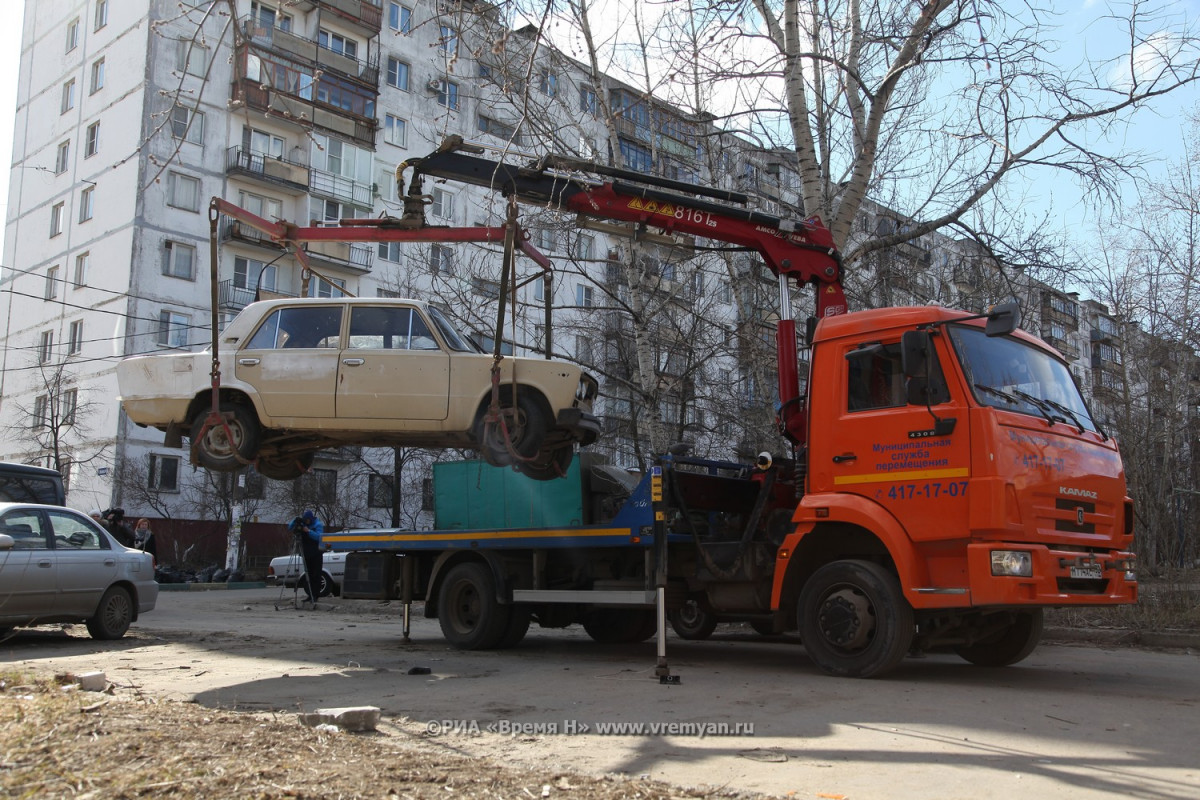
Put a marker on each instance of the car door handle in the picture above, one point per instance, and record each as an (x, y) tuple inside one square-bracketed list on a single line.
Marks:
[(844, 457), (354, 362), (108, 562), (45, 564), (248, 362)]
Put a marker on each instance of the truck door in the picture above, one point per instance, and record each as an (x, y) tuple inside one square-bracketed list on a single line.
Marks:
[(884, 448)]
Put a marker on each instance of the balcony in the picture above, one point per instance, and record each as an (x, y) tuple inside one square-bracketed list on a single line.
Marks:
[(336, 187), (353, 257), (299, 47), (234, 298), (233, 230), (275, 171), (363, 15), (303, 112)]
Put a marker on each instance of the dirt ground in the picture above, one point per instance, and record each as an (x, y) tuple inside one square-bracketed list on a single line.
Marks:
[(205, 691)]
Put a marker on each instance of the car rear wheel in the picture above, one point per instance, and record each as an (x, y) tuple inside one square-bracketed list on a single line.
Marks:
[(526, 425), (226, 452), (113, 615), (546, 466), (284, 468)]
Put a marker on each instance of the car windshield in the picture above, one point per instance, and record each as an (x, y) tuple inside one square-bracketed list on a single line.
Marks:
[(454, 340), (1005, 372)]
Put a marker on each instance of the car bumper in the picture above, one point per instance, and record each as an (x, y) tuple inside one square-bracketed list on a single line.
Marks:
[(582, 426)]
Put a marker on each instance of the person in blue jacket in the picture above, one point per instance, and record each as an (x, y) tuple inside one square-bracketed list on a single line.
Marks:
[(308, 529)]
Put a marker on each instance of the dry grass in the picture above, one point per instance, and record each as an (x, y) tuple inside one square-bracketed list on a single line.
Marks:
[(58, 742), (1168, 601)]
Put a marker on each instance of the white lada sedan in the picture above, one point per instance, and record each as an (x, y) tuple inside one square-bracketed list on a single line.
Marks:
[(303, 374)]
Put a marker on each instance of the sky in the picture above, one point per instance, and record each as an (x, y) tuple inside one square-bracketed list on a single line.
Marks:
[(1160, 134)]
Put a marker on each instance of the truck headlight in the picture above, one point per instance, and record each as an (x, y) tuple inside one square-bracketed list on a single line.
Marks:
[(1014, 563)]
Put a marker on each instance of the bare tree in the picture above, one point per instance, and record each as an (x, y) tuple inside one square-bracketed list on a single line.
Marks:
[(55, 427)]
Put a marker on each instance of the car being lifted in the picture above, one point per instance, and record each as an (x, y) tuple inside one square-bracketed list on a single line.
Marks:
[(314, 373)]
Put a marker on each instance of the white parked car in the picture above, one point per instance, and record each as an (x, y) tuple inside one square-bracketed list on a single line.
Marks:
[(288, 570), (303, 374), (58, 565)]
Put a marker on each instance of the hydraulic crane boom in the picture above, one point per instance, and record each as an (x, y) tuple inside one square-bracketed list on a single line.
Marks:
[(802, 251)]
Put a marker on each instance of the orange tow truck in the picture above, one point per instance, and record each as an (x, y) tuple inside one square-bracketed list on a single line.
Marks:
[(945, 480)]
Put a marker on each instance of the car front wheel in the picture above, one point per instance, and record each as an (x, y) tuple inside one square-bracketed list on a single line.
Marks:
[(113, 615), (525, 425), (223, 451)]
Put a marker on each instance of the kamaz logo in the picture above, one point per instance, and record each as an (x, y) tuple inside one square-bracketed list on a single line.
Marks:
[(1072, 492)]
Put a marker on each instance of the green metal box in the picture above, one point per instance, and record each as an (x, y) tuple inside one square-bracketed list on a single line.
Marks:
[(470, 495)]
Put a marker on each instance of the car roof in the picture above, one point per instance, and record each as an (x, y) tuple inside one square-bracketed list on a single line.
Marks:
[(29, 469), (40, 507), (265, 305)]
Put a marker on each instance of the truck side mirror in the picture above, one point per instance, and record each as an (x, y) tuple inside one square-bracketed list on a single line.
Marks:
[(915, 348), (1003, 319)]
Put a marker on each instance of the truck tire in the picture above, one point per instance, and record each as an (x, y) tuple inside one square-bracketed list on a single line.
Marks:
[(620, 625), (1008, 646), (692, 621), (468, 611), (854, 620), (518, 626), (113, 615)]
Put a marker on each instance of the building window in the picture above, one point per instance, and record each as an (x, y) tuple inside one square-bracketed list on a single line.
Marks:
[(539, 290), (180, 261), (447, 94), (266, 207), (399, 18), (443, 204), (41, 412), (725, 291), (87, 204), (101, 14), (163, 472), (251, 274), (97, 76), (323, 288), (62, 158), (68, 95), (427, 494), (183, 191), (91, 141), (68, 404), (585, 245), (79, 279), (498, 129), (191, 57), (51, 283), (173, 329), (395, 130), (549, 83), (379, 491), (390, 251), (72, 34), (75, 338), (187, 124), (45, 347), (587, 100), (441, 259), (397, 73), (56, 219), (257, 142), (448, 41), (637, 157), (583, 296), (337, 43), (318, 485)]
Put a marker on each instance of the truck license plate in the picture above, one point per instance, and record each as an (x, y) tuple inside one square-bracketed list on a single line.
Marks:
[(1089, 571)]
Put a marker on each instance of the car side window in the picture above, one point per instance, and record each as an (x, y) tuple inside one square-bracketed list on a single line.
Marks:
[(26, 529), (373, 328), (299, 327), (73, 533), (422, 337)]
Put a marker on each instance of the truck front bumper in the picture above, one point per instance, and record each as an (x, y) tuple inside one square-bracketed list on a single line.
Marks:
[(1057, 577)]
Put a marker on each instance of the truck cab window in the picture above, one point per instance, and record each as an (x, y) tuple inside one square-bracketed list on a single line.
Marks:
[(875, 379)]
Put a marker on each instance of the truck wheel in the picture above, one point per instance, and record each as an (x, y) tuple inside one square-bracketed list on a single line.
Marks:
[(526, 428), (1008, 646), (620, 625), (854, 620), (217, 451), (470, 616), (518, 626), (113, 615), (692, 621)]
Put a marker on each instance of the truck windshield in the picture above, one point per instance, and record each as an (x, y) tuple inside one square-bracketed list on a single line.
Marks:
[(1007, 373)]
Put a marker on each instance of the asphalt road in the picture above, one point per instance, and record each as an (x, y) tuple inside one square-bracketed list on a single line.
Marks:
[(1070, 722)]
